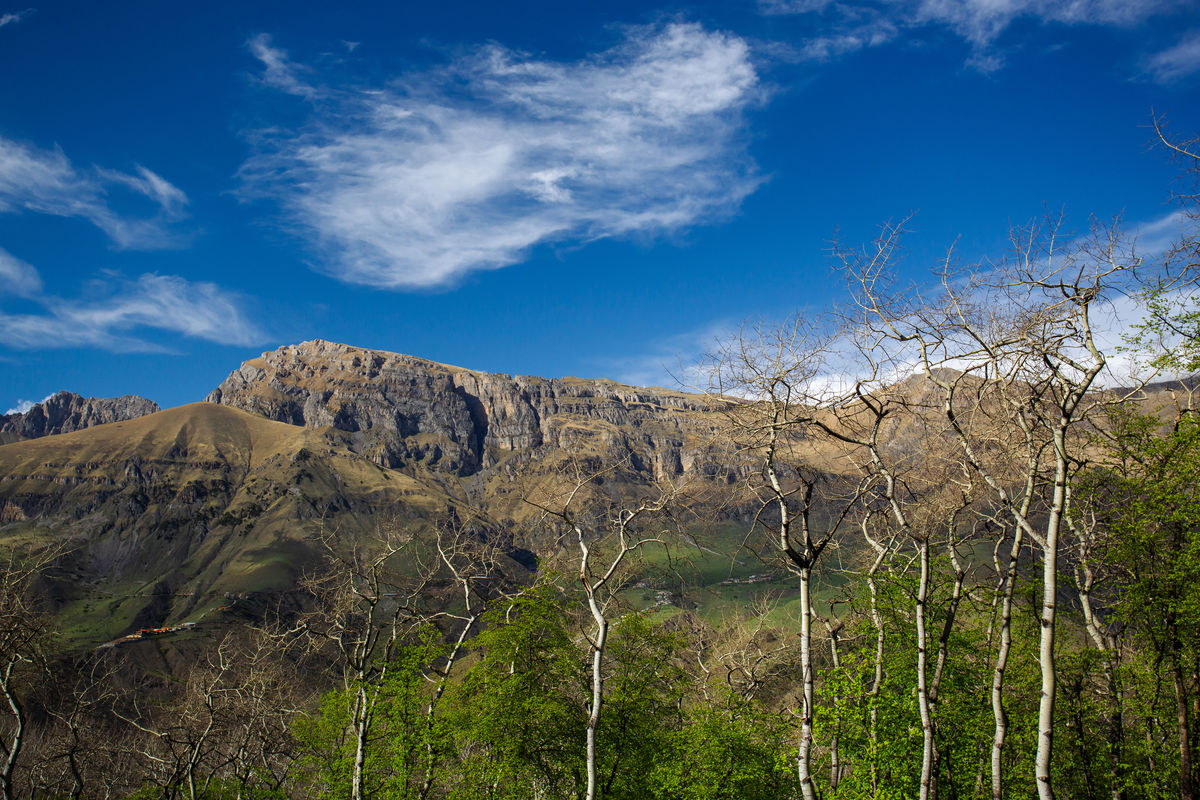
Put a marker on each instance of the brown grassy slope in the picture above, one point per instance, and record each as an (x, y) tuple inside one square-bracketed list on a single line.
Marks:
[(165, 515)]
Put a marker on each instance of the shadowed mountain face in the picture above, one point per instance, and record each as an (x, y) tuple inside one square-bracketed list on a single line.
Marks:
[(161, 517), (65, 412), (402, 410)]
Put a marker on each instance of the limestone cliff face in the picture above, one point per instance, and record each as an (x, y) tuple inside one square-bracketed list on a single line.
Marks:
[(402, 409), (66, 412)]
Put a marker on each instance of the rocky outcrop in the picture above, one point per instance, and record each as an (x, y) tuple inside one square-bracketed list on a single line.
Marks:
[(402, 409), (66, 412)]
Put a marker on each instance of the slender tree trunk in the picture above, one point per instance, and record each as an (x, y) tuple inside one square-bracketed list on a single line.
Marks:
[(16, 738), (804, 764), (876, 688), (943, 654), (998, 713), (360, 721), (1045, 746), (877, 678), (443, 678), (927, 788), (593, 723), (1187, 788), (835, 760), (1109, 656)]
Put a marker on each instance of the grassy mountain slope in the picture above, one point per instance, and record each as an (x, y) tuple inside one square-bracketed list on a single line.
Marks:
[(163, 516)]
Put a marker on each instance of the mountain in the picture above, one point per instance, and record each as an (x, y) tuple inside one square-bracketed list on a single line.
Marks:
[(163, 516), (65, 412), (400, 410)]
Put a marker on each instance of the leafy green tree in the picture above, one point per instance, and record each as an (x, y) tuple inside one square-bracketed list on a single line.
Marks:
[(1147, 499), (517, 716), (398, 736)]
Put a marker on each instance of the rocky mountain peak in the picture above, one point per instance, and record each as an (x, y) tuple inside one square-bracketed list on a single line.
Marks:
[(401, 409), (65, 412)]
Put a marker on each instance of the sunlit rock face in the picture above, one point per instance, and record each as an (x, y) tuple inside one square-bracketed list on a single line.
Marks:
[(66, 412), (404, 409)]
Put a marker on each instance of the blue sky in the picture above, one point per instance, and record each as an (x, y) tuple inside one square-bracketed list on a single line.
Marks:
[(534, 188)]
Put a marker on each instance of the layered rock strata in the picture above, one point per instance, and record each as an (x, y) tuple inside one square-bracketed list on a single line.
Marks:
[(402, 409), (66, 412)]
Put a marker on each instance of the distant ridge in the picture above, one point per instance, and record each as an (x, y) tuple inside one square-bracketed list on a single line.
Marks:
[(66, 412)]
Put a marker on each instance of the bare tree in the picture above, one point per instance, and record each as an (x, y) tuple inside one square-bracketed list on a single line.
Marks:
[(1013, 345), (364, 608), (229, 723), (73, 746), (475, 568), (766, 379), (606, 532), (24, 632)]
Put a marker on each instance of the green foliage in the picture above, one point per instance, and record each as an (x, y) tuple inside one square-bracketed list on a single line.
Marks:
[(1169, 337), (1151, 505), (400, 733), (1146, 501), (724, 751), (517, 716)]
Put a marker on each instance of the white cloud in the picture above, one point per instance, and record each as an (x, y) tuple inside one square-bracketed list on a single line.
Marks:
[(169, 198), (982, 21), (13, 17), (855, 25), (45, 182), (776, 7), (1178, 61), (871, 33), (17, 277), (674, 362), (159, 302), (1156, 237), (683, 360), (278, 71), (23, 406), (469, 167)]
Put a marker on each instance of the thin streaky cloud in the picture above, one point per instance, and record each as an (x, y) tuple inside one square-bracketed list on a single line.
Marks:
[(467, 168), (682, 361), (17, 277), (982, 21), (46, 182), (169, 198), (278, 71), (845, 28), (14, 17), (167, 303), (1178, 61)]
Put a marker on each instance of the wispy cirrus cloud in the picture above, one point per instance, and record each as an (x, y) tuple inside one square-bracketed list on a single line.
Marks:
[(982, 21), (117, 309), (468, 167), (46, 182), (279, 72), (851, 26), (17, 277), (1178, 61), (701, 359), (13, 17), (677, 361)]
